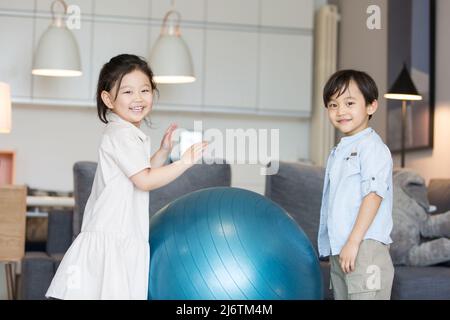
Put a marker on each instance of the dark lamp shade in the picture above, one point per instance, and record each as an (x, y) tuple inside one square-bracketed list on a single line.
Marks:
[(403, 88)]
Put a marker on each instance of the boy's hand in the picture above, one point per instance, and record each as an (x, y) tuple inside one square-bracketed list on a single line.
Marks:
[(347, 257), (166, 142)]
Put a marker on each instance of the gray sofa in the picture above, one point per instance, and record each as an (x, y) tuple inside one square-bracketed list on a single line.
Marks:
[(38, 268), (298, 189)]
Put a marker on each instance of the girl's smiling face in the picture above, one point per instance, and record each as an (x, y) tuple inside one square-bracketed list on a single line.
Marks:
[(133, 100)]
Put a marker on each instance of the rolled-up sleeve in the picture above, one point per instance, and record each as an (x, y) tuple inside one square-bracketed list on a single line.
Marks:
[(376, 169), (129, 153)]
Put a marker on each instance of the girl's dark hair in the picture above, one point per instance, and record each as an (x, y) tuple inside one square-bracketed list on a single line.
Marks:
[(113, 72), (339, 82)]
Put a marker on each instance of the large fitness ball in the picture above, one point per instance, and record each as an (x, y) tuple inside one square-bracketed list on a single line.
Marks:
[(230, 243)]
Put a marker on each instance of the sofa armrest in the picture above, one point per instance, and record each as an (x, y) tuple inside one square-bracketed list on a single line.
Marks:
[(59, 237), (439, 194)]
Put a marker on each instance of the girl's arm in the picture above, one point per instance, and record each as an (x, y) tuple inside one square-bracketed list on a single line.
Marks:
[(154, 178), (159, 158), (367, 212)]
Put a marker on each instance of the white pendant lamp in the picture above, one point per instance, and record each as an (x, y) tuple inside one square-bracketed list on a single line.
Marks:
[(5, 108), (57, 53), (170, 59)]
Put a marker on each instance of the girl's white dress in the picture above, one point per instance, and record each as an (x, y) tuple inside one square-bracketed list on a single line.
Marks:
[(109, 259)]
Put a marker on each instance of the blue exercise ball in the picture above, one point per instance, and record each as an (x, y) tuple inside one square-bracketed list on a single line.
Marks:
[(230, 243)]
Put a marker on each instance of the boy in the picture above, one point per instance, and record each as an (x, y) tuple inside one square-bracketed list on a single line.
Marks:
[(356, 212)]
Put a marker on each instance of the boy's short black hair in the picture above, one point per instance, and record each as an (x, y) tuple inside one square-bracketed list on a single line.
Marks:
[(339, 82)]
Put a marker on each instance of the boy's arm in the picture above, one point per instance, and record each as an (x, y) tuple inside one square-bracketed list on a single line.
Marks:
[(367, 212)]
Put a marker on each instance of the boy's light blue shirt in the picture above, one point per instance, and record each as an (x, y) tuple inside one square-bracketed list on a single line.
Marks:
[(358, 165)]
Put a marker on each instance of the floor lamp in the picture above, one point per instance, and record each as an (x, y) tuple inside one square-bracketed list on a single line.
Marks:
[(405, 90)]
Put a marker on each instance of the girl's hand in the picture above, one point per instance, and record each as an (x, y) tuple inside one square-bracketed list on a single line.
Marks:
[(347, 257), (166, 142), (194, 153)]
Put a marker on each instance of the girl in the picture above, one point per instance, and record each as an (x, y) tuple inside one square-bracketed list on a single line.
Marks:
[(110, 257)]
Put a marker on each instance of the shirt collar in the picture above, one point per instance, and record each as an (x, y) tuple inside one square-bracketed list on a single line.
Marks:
[(345, 141), (113, 117)]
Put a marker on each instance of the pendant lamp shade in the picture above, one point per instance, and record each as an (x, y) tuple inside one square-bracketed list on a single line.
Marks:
[(57, 52), (170, 59), (5, 108)]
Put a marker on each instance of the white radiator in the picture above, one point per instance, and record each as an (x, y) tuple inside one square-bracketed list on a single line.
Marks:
[(325, 60)]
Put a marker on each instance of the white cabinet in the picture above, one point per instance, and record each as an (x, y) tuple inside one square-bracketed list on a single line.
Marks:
[(231, 73), (249, 56), (286, 72), (17, 5), (190, 10), (85, 6), (233, 11), (111, 39), (16, 47), (133, 8), (288, 13)]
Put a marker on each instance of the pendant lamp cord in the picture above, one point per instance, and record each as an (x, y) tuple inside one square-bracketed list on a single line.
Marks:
[(173, 28), (57, 18)]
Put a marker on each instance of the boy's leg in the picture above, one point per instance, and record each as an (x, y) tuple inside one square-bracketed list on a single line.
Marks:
[(337, 279), (374, 273)]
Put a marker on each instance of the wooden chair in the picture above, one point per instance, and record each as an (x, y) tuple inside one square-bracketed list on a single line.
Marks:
[(12, 230)]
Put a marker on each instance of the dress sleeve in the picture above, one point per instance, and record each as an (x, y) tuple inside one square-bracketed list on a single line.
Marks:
[(376, 169), (129, 153)]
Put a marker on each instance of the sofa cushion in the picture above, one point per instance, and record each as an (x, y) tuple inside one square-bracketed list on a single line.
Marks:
[(325, 269), (60, 230), (421, 283), (83, 178), (298, 189)]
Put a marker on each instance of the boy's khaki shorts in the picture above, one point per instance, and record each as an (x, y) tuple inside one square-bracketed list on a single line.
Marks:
[(372, 277)]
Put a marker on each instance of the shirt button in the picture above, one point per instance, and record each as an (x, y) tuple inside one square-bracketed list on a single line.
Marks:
[(373, 178)]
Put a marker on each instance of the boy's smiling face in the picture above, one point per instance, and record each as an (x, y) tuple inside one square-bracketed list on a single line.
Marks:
[(348, 112), (134, 97)]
